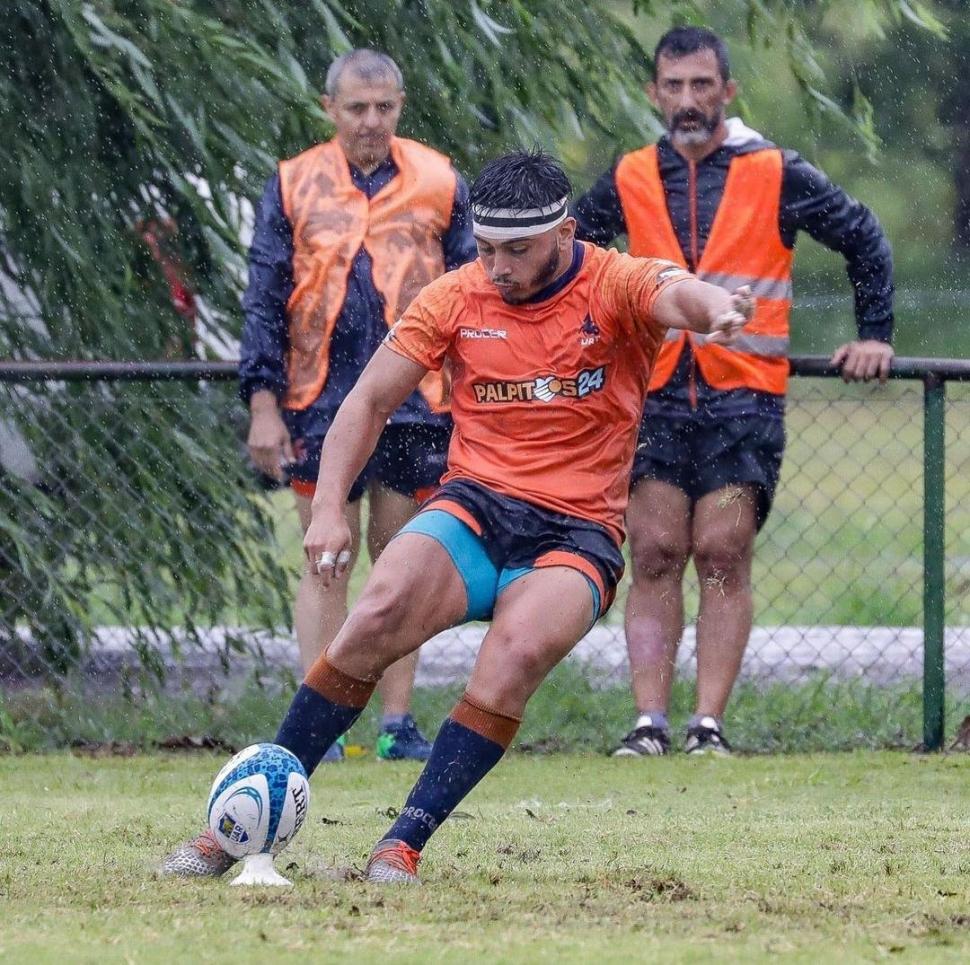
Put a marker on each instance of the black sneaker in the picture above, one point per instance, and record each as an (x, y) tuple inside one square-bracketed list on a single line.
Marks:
[(645, 740), (705, 737)]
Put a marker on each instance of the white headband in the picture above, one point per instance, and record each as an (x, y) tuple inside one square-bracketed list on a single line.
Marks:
[(504, 224)]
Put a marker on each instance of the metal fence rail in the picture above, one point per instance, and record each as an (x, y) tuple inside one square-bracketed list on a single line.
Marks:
[(131, 531)]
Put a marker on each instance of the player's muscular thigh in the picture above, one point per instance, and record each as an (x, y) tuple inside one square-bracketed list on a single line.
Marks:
[(538, 620), (413, 592)]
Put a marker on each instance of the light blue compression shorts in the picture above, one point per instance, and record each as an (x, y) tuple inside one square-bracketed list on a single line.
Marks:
[(483, 580)]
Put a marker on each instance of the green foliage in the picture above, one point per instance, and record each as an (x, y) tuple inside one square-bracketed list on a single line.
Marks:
[(791, 26), (917, 82), (168, 115), (149, 109), (893, 143), (152, 114)]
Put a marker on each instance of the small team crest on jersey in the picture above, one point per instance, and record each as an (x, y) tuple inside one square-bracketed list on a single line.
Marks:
[(589, 331)]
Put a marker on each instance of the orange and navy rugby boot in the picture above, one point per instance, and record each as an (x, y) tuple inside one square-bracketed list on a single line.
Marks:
[(199, 858), (393, 862)]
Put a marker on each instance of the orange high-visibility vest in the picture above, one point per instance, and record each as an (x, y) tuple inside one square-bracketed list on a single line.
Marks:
[(401, 229), (744, 248)]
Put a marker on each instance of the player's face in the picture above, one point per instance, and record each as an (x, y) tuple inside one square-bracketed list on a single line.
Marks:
[(691, 95), (365, 113), (522, 267)]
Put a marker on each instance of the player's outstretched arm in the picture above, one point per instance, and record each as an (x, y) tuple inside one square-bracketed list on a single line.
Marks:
[(699, 307), (384, 384)]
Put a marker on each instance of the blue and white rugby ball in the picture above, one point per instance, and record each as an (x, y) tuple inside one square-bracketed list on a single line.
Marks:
[(258, 801)]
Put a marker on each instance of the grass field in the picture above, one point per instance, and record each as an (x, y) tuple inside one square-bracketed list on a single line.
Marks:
[(855, 857)]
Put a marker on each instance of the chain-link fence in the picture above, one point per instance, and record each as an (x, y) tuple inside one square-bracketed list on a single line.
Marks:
[(136, 551), (128, 523)]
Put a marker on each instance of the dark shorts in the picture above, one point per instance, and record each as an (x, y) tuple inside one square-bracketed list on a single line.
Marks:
[(410, 458), (701, 455), (494, 539)]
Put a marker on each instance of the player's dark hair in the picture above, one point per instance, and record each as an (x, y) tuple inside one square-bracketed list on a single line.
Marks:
[(521, 180), (683, 41)]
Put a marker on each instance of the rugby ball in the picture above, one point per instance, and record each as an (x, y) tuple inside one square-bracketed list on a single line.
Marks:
[(258, 801)]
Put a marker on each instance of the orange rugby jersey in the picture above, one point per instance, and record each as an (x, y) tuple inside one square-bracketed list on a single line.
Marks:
[(546, 396)]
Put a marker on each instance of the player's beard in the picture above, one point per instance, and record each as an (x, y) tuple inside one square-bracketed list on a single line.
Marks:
[(543, 277)]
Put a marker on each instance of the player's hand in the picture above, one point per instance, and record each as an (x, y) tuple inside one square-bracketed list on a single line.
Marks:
[(727, 325), (864, 360), (327, 544), (269, 442)]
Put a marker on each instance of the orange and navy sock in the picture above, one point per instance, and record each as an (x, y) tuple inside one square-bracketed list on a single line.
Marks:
[(470, 743), (326, 706)]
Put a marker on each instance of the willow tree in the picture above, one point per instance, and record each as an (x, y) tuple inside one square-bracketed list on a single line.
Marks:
[(134, 133), (926, 102)]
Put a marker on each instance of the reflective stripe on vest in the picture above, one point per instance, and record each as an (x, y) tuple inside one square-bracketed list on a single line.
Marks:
[(761, 287), (744, 248), (401, 229)]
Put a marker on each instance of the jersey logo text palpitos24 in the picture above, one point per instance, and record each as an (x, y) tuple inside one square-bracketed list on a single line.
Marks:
[(543, 389)]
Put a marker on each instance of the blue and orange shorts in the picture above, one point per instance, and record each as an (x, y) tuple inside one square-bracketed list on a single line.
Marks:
[(493, 540), (410, 457)]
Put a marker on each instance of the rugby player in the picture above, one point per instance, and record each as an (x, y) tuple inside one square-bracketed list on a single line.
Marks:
[(551, 342)]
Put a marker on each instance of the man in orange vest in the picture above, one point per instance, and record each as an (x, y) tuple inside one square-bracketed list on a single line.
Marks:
[(346, 235), (717, 198)]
